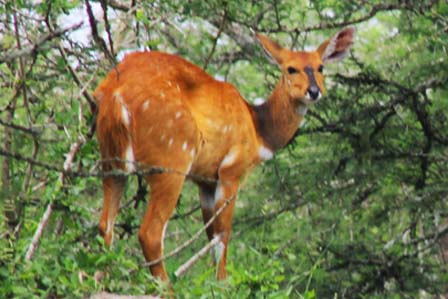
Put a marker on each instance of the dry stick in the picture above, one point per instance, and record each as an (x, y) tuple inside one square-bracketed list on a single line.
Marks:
[(40, 228), (195, 236), (188, 264), (43, 222)]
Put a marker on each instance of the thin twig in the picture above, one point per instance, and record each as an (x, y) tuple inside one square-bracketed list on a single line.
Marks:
[(96, 36), (188, 264), (31, 130), (215, 41), (40, 228), (107, 26), (68, 163)]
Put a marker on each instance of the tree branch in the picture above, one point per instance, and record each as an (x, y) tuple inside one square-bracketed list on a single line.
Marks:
[(200, 254), (9, 56)]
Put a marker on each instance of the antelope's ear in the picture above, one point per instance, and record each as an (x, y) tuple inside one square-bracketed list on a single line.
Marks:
[(271, 48), (337, 47)]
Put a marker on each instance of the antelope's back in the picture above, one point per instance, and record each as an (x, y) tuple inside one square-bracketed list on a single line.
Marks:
[(165, 106)]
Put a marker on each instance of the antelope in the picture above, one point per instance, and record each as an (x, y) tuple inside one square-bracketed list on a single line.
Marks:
[(157, 109)]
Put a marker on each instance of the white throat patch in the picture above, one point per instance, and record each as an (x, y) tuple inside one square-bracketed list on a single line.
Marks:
[(302, 109)]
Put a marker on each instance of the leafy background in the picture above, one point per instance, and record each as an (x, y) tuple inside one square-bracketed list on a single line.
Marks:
[(356, 207)]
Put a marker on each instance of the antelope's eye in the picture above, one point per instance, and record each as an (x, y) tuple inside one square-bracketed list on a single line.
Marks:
[(320, 69), (292, 70)]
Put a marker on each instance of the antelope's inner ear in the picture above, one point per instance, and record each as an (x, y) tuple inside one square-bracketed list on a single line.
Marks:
[(337, 47), (271, 48)]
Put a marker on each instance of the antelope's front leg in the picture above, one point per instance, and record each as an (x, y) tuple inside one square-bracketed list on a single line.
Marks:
[(225, 192)]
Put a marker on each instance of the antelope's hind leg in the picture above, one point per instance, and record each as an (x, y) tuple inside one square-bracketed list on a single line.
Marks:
[(165, 191), (113, 190)]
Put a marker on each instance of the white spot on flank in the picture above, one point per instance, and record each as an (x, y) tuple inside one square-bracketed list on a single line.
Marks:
[(178, 88), (162, 137), (192, 153), (178, 114), (185, 146), (170, 142), (162, 95), (264, 153), (145, 105), (228, 159), (213, 124), (169, 83), (129, 157)]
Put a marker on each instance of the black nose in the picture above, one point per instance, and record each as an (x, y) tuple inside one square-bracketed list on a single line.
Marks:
[(313, 92)]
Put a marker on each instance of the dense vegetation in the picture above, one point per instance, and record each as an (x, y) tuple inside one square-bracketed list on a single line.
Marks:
[(355, 207)]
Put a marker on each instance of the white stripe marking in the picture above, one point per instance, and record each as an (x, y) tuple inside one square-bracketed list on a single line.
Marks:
[(219, 193), (189, 168), (163, 234), (218, 251), (145, 105), (124, 110), (229, 159), (110, 228), (129, 157)]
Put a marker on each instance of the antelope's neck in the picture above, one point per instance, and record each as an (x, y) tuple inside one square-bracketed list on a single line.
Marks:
[(278, 119)]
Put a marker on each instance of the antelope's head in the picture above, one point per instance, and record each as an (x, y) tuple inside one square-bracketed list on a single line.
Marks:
[(302, 72)]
